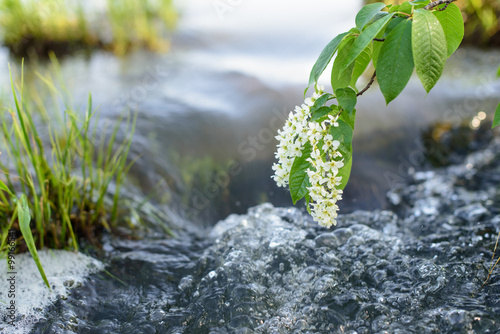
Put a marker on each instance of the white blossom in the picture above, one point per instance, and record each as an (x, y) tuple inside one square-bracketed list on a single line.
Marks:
[(325, 159)]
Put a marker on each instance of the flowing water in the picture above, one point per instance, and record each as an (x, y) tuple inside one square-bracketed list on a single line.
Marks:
[(207, 114)]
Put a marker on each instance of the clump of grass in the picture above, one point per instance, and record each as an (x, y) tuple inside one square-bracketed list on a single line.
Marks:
[(62, 184), (140, 24), (40, 26), (35, 27)]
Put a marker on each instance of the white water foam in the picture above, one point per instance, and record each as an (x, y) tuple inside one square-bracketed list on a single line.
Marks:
[(64, 270)]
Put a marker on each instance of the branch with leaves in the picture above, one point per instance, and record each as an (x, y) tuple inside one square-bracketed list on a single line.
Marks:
[(315, 146)]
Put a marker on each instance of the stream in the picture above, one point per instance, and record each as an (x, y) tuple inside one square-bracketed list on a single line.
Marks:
[(411, 249)]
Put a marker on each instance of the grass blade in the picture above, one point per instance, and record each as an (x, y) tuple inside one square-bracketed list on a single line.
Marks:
[(24, 224)]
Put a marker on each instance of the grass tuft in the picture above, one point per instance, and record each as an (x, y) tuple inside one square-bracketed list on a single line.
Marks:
[(54, 191)]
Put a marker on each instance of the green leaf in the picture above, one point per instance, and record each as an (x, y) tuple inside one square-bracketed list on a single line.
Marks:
[(345, 172), (298, 180), (429, 47), (320, 102), (393, 9), (347, 98), (320, 114), (365, 38), (348, 117), (377, 46), (24, 217), (376, 18), (342, 78), (343, 133), (453, 26), (496, 119), (393, 24), (324, 58), (360, 64), (406, 7), (395, 63), (367, 13), (419, 3), (5, 188), (498, 71)]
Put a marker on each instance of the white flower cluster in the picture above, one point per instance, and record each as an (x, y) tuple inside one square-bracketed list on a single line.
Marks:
[(325, 159)]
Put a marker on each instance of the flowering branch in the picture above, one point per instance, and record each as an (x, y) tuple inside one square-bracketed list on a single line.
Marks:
[(314, 155)]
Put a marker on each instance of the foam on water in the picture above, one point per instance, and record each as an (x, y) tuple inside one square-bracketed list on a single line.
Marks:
[(65, 270)]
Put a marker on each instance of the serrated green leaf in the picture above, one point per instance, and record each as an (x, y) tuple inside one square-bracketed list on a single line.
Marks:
[(406, 7), (320, 114), (496, 119), (395, 63), (360, 64), (429, 47), (393, 24), (376, 18), (5, 188), (377, 46), (365, 38), (349, 117), (346, 98), (343, 133), (367, 13), (393, 9), (23, 213), (419, 3), (320, 102), (298, 180), (342, 78), (345, 173), (453, 26), (324, 58)]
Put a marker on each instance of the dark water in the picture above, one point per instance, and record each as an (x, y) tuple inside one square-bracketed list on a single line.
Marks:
[(207, 112)]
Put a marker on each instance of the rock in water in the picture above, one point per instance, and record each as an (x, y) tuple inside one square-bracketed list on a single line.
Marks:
[(418, 271)]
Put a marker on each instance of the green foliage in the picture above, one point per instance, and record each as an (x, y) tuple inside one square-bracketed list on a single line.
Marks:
[(408, 35), (24, 215), (453, 26), (367, 13), (299, 182), (396, 61), (429, 48), (39, 26), (482, 23), (365, 38), (324, 58), (496, 119), (61, 184)]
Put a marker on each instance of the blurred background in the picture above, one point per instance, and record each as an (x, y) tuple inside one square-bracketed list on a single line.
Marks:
[(213, 80)]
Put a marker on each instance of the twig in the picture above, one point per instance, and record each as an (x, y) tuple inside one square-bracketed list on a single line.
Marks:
[(368, 85), (437, 3)]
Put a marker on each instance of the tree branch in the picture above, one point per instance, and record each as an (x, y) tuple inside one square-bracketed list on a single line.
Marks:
[(368, 85), (439, 2)]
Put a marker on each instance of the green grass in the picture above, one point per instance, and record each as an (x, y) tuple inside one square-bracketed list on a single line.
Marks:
[(61, 184), (36, 27)]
